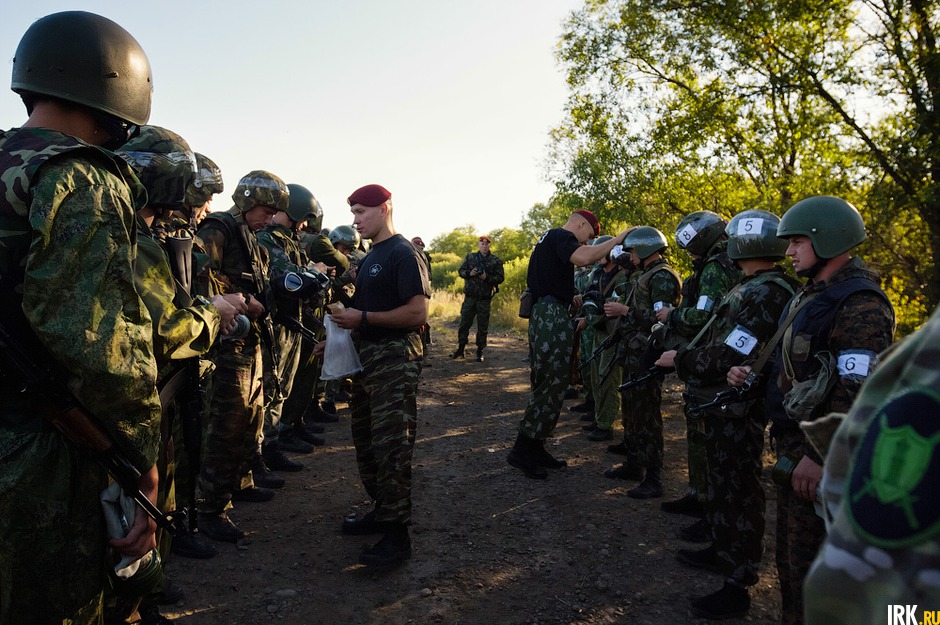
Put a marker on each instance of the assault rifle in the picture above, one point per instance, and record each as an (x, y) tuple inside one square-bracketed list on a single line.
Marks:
[(79, 426), (645, 376), (723, 399), (610, 341)]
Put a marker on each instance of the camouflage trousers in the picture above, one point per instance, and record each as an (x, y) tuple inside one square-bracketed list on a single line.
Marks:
[(305, 385), (696, 454), (583, 347), (236, 414), (604, 391), (279, 380), (643, 423), (384, 409), (800, 533), (735, 500), (53, 542), (478, 307), (551, 337)]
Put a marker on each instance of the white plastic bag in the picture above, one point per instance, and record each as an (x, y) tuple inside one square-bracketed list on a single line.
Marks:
[(340, 358)]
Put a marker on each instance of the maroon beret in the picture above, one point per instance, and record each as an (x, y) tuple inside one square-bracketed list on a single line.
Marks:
[(591, 219), (483, 237), (370, 195)]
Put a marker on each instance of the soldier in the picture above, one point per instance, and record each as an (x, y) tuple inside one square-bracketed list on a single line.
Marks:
[(656, 285), (482, 273), (67, 280), (550, 279), (236, 409), (418, 242), (166, 167), (286, 256), (841, 320), (206, 184), (702, 235), (389, 307), (881, 479), (744, 322)]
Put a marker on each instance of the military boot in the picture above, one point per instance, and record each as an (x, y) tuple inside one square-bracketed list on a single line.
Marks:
[(392, 550), (629, 470), (651, 486), (732, 601), (479, 354), (458, 353), (524, 456), (263, 475), (546, 459), (219, 527), (688, 504)]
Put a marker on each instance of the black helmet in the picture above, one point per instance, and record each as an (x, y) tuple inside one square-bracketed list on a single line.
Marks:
[(699, 231), (645, 241), (261, 187), (206, 183), (164, 163), (303, 206), (832, 225), (347, 235), (86, 59), (753, 234)]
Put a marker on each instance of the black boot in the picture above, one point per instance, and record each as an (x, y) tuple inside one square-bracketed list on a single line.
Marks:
[(524, 455), (263, 475), (479, 354), (698, 532), (627, 471), (651, 487), (458, 353), (391, 551), (546, 459), (732, 601), (689, 504)]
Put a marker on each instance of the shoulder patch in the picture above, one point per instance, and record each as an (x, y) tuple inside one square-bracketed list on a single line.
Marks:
[(892, 498)]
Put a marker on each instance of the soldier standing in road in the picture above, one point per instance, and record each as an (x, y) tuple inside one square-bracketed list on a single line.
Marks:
[(482, 273)]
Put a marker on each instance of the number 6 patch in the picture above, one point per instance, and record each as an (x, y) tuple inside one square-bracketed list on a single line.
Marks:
[(741, 340), (856, 363)]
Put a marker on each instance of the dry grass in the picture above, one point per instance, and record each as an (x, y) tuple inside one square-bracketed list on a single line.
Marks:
[(504, 313)]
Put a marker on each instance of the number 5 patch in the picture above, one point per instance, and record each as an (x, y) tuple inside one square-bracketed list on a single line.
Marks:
[(741, 340)]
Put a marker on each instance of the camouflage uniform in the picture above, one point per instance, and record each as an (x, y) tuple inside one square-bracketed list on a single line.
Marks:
[(613, 286), (285, 255), (655, 284), (734, 438), (585, 344), (478, 294), (862, 321), (712, 277), (67, 221), (236, 406), (881, 477)]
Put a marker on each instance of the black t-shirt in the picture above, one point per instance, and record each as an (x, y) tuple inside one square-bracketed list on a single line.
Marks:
[(550, 268), (392, 273)]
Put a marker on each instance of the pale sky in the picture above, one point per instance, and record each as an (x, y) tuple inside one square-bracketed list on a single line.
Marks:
[(447, 103)]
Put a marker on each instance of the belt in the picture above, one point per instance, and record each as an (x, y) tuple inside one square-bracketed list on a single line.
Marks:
[(551, 299)]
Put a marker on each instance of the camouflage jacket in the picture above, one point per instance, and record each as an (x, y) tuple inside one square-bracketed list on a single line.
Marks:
[(745, 320), (654, 286), (476, 286), (284, 255), (319, 249), (711, 278), (881, 479), (67, 218)]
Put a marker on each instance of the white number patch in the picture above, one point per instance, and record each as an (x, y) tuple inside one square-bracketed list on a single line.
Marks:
[(686, 235), (751, 225), (658, 306), (741, 340), (854, 363), (705, 303)]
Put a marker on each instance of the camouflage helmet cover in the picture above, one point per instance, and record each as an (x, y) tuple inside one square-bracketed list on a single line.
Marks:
[(347, 235), (164, 163), (645, 241), (699, 231), (304, 206), (87, 59), (832, 225), (206, 183), (753, 234), (261, 187)]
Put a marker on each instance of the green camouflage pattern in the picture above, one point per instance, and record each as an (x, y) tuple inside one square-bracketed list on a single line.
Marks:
[(478, 308), (476, 286), (854, 577), (551, 339), (206, 183), (604, 391), (263, 188), (164, 163), (384, 414), (712, 278), (67, 244)]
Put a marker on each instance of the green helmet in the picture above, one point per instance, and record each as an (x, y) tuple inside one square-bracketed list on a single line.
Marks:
[(206, 183), (347, 235), (699, 231), (261, 187), (645, 241), (832, 225), (304, 207), (753, 234), (86, 59), (164, 163), (601, 239)]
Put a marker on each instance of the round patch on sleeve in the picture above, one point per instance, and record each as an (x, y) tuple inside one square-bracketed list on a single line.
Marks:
[(892, 498)]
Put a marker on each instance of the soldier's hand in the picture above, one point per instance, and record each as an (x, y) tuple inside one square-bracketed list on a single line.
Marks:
[(737, 375), (667, 359), (227, 311), (473, 272), (582, 324), (141, 538), (255, 308), (806, 478), (615, 309), (238, 301), (319, 348), (483, 276), (663, 313), (348, 318)]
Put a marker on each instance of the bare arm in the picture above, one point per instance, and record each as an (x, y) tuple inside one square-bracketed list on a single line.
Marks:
[(411, 314)]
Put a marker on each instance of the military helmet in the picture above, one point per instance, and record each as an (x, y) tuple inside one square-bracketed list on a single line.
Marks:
[(206, 183), (753, 234), (832, 225), (164, 163), (304, 207), (699, 231), (645, 241), (347, 235), (601, 239), (87, 59), (261, 187)]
